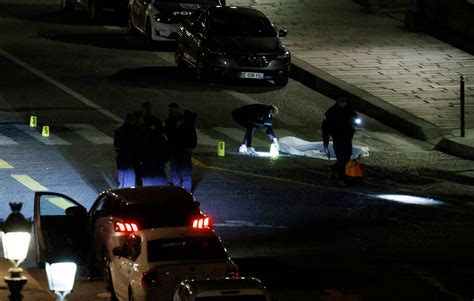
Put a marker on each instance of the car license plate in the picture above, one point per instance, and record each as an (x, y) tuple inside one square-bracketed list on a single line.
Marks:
[(254, 75)]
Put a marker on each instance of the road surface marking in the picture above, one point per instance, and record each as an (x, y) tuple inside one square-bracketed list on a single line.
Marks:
[(238, 134), (4, 140), (60, 202), (281, 116), (5, 165), (90, 133), (205, 139), (237, 224), (167, 57), (61, 86), (51, 140), (29, 182), (115, 28)]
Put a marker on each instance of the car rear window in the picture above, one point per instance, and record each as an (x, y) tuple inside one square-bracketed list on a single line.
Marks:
[(233, 298), (185, 248), (149, 215)]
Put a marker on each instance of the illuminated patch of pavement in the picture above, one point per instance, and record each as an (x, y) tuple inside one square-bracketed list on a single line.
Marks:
[(236, 224), (409, 199)]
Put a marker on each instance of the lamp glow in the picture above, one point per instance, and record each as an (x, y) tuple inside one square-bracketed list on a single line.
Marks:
[(409, 199), (61, 277), (358, 121), (15, 245), (274, 152)]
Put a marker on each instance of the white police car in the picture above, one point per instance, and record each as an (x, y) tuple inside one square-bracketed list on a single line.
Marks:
[(158, 19), (150, 263)]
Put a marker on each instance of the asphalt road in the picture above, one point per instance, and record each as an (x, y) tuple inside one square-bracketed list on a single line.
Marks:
[(279, 218)]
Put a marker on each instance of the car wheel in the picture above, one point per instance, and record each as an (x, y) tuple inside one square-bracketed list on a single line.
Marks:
[(106, 273), (67, 5), (148, 35), (281, 81), (131, 30), (95, 10)]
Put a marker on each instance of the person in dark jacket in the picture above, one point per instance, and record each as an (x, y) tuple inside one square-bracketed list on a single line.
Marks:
[(149, 117), (255, 116), (183, 144), (338, 124), (154, 153), (174, 116), (125, 144)]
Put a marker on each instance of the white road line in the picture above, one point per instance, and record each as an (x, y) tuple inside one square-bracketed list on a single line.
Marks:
[(4, 140), (29, 183), (238, 134), (167, 57), (114, 28), (205, 139), (61, 86), (247, 99), (51, 140), (90, 133)]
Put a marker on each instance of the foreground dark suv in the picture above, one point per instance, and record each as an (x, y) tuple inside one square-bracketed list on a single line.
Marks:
[(233, 42)]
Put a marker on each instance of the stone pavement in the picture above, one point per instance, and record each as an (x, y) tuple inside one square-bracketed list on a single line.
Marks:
[(409, 81), (31, 291)]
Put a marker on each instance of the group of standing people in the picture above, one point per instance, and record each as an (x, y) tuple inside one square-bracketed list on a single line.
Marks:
[(152, 153)]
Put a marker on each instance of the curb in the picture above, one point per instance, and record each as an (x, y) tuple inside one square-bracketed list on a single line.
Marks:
[(365, 103), (460, 147)]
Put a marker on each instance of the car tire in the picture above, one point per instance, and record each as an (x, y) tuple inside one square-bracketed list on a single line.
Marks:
[(131, 30), (149, 43), (67, 5), (95, 10), (282, 82)]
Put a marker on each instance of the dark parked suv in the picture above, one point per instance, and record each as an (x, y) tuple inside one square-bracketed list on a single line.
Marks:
[(233, 42)]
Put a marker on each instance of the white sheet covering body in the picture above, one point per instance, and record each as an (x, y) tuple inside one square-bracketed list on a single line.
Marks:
[(299, 147)]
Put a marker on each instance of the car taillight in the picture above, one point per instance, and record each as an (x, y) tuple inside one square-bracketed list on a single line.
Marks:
[(125, 227), (233, 271), (202, 222), (150, 279)]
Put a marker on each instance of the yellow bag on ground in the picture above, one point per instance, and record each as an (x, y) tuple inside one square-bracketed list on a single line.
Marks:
[(354, 169)]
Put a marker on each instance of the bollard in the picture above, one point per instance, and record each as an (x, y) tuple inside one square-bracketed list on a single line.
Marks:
[(45, 131), (463, 133), (33, 121), (221, 149)]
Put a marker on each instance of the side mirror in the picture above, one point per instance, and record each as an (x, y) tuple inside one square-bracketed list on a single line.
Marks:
[(117, 251), (282, 33)]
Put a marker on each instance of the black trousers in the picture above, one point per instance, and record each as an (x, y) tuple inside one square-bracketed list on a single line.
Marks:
[(343, 150)]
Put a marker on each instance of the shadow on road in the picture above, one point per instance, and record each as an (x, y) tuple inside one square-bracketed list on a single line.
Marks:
[(118, 40), (171, 77)]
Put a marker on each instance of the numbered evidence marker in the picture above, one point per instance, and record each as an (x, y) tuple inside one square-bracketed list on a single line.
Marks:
[(45, 131), (221, 149), (33, 121)]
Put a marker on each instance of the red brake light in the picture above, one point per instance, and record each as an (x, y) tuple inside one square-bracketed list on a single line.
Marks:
[(202, 222), (150, 279), (125, 227)]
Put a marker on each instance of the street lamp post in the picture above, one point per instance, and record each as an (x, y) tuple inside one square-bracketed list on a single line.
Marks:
[(61, 278), (16, 239)]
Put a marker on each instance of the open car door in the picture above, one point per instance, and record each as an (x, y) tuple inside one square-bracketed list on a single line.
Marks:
[(60, 226)]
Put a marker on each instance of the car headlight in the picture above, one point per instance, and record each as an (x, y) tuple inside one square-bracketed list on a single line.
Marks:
[(284, 55)]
